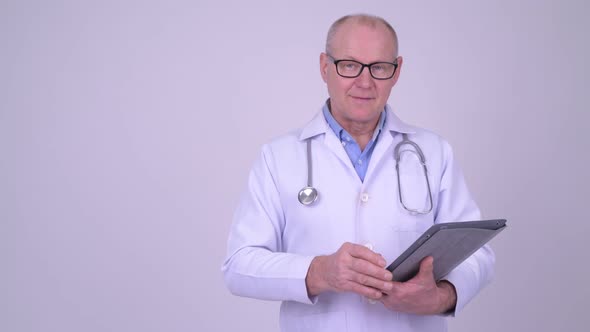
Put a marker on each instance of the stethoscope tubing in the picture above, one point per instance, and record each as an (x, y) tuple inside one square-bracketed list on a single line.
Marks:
[(397, 155), (309, 194)]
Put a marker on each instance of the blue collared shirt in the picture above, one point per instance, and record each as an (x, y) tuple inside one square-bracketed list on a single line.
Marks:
[(360, 159)]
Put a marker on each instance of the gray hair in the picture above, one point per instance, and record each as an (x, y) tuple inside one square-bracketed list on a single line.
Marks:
[(362, 19)]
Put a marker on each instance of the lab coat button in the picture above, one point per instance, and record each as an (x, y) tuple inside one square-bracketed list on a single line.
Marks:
[(364, 197)]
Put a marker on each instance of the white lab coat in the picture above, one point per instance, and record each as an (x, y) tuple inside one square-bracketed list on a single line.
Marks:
[(274, 238)]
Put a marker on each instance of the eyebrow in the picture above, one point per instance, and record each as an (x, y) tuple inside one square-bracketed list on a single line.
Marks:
[(348, 57)]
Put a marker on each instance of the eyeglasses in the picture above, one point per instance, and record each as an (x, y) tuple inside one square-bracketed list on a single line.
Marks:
[(352, 68)]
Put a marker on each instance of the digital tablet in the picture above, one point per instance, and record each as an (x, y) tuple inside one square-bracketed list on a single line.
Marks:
[(448, 243)]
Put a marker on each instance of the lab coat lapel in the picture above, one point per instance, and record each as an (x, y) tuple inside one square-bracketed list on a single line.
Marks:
[(384, 146), (333, 144), (382, 149), (317, 126)]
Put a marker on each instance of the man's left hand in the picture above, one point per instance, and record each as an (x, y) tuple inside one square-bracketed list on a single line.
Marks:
[(421, 295)]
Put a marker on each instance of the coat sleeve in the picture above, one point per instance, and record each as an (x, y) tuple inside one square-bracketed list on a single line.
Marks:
[(456, 204), (255, 265)]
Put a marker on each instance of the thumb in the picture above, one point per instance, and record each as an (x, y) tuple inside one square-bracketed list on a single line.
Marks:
[(427, 268)]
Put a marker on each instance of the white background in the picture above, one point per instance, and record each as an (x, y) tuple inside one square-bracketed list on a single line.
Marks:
[(127, 129)]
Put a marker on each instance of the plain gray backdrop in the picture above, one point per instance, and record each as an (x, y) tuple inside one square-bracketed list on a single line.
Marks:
[(127, 130)]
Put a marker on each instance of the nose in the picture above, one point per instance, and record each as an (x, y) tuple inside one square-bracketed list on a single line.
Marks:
[(364, 80)]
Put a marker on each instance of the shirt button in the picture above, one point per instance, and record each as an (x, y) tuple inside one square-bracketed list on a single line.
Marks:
[(360, 162), (343, 143), (364, 197)]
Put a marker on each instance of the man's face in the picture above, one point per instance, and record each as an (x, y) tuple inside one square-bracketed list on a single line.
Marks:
[(359, 100)]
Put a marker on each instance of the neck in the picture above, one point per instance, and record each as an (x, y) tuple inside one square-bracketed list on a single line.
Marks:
[(361, 131)]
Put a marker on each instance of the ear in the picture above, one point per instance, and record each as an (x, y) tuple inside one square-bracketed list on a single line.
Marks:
[(400, 61), (324, 62)]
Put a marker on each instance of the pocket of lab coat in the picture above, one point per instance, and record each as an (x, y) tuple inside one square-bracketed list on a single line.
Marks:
[(414, 191)]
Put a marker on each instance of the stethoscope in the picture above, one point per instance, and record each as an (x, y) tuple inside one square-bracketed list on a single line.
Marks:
[(309, 194)]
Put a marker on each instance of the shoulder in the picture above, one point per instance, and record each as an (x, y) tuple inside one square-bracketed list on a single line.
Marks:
[(290, 143), (281, 153), (283, 143), (421, 136), (435, 148), (428, 137)]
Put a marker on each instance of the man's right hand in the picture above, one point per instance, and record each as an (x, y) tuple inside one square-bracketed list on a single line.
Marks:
[(353, 268)]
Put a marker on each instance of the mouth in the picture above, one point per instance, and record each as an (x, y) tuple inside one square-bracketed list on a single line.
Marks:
[(362, 99)]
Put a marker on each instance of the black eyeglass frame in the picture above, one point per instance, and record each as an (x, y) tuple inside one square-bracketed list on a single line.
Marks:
[(363, 65)]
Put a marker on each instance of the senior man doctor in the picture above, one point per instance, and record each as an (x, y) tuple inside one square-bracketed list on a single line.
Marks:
[(321, 216)]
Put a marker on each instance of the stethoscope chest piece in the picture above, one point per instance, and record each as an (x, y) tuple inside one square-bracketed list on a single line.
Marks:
[(307, 195)]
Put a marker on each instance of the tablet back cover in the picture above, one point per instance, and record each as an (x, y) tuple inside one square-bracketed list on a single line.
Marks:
[(449, 244)]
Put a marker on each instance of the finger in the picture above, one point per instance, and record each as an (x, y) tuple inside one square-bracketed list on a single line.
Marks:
[(366, 291), (393, 288), (367, 268), (366, 280), (426, 268), (367, 254)]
